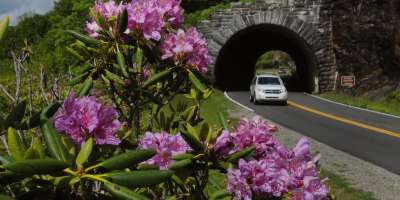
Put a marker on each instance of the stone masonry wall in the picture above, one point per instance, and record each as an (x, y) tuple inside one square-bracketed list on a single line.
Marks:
[(311, 19)]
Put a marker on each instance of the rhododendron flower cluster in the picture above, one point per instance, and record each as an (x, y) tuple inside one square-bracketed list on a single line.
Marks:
[(247, 133), (151, 16), (187, 47), (107, 10), (147, 17), (274, 170), (166, 146), (86, 117)]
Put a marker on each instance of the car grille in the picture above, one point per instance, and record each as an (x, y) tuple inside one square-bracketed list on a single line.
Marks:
[(272, 91)]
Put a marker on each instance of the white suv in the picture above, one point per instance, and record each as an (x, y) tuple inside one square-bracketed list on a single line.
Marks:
[(268, 88)]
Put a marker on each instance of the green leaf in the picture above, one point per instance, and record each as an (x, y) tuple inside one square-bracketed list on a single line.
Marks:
[(15, 117), (139, 57), (31, 154), (241, 154), (145, 166), (123, 21), (138, 179), (36, 166), (205, 131), (122, 193), (180, 164), (182, 156), (220, 194), (113, 77), (5, 197), (222, 120), (85, 68), (4, 26), (38, 147), (53, 140), (2, 124), (84, 153), (4, 159), (196, 82), (15, 145), (192, 140), (121, 63), (84, 38), (158, 77), (78, 79), (49, 111), (127, 159), (86, 87), (192, 131), (75, 54), (61, 181), (190, 113)]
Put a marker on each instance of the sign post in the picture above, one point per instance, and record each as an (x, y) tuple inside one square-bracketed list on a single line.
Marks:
[(348, 81)]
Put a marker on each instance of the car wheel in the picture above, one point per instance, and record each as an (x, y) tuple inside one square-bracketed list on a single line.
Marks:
[(284, 103), (251, 98), (256, 102)]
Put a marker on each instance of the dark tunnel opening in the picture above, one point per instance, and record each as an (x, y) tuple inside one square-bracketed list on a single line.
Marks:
[(235, 64)]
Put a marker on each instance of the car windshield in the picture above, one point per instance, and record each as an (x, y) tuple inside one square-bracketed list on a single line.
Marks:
[(268, 81)]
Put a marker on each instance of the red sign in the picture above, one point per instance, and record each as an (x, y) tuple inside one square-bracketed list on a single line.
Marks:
[(348, 81)]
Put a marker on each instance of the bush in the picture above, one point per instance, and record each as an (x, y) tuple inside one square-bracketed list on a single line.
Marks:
[(119, 133)]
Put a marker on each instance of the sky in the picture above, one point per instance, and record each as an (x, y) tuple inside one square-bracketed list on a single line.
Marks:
[(16, 8)]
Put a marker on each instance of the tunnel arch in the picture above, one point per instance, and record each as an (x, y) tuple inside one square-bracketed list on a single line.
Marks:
[(235, 64), (236, 47)]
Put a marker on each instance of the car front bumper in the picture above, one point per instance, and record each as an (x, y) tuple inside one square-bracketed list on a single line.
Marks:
[(261, 96)]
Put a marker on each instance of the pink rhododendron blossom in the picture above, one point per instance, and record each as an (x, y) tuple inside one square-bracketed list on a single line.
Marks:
[(274, 170), (166, 146), (246, 134), (87, 117), (150, 16), (314, 189), (108, 9), (143, 16), (93, 29), (238, 185), (187, 47), (146, 73)]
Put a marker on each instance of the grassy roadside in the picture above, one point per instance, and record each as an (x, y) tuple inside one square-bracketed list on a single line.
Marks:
[(386, 106), (340, 188)]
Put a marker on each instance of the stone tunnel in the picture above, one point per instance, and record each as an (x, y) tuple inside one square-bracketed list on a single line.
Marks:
[(238, 36)]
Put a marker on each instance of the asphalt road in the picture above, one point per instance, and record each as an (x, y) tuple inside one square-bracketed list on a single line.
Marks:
[(368, 144)]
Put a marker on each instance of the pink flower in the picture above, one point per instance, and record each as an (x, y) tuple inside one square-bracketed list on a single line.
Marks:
[(87, 117), (238, 185), (108, 9), (166, 146), (246, 134), (172, 11), (146, 73), (149, 17), (314, 189), (274, 170), (93, 29), (187, 47)]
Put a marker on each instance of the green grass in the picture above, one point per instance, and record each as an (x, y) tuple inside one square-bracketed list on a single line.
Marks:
[(216, 104), (192, 19), (385, 106), (340, 188)]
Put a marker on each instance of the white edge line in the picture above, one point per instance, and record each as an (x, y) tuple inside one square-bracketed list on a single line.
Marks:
[(354, 107), (239, 104)]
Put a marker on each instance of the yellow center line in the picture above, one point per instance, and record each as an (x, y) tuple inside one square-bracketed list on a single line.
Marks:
[(344, 120)]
